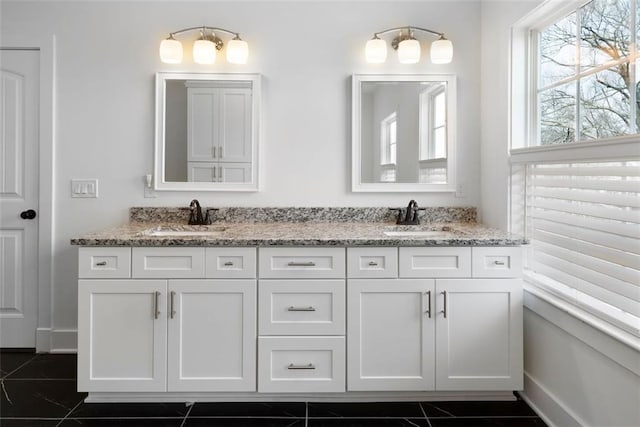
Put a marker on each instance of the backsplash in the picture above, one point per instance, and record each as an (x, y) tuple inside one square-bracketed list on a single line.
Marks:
[(272, 215)]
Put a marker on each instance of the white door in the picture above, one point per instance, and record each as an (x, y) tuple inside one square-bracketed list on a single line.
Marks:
[(122, 335), (390, 335), (479, 334), (212, 335), (19, 134)]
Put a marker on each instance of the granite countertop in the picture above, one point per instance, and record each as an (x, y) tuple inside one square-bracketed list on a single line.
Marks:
[(140, 233)]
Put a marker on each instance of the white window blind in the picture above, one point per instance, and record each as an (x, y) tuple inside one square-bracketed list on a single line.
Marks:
[(583, 220)]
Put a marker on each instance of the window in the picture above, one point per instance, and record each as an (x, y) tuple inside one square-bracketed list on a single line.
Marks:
[(575, 184), (433, 135), (588, 77), (388, 145)]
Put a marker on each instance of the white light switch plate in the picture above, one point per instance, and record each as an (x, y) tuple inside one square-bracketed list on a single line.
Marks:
[(84, 188)]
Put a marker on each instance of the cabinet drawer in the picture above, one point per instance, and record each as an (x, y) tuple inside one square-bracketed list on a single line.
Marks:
[(315, 263), (496, 262), (435, 262), (301, 307), (104, 263), (301, 364), (372, 262), (231, 263), (168, 263)]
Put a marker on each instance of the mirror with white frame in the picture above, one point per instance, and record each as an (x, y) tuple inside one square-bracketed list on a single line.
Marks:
[(207, 131), (403, 133)]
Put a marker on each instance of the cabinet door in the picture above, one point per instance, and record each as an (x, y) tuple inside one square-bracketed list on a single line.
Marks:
[(212, 335), (235, 125), (234, 172), (202, 127), (479, 334), (122, 330), (390, 336)]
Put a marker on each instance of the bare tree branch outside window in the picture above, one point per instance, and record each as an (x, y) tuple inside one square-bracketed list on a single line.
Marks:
[(588, 74)]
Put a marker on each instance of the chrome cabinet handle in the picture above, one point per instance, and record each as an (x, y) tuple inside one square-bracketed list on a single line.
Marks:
[(156, 312), (220, 152), (228, 263), (429, 304), (444, 308), (292, 308), (373, 263), (214, 152), (101, 263), (171, 309), (309, 366), (302, 264), (498, 262)]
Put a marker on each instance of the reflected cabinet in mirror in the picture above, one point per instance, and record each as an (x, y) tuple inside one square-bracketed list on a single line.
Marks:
[(207, 128), (403, 133)]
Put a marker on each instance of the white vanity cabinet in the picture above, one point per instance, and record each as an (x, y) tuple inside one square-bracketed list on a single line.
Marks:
[(428, 333), (325, 321), (184, 332)]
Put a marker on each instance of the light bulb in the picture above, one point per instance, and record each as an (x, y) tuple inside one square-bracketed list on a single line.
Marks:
[(171, 51), (204, 52), (409, 51), (441, 51), (375, 51), (237, 51)]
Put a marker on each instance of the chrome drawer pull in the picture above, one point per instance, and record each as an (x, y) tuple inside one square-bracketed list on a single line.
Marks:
[(498, 262), (444, 306), (292, 308), (156, 312), (101, 263), (302, 264), (429, 304), (373, 264), (172, 309), (228, 263), (309, 366)]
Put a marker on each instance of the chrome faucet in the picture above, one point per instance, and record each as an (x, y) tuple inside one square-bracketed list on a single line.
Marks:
[(411, 214)]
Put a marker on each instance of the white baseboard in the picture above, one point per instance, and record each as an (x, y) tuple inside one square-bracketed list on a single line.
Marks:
[(59, 340), (548, 407), (43, 340)]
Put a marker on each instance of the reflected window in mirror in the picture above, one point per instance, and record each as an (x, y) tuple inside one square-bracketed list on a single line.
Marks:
[(403, 133), (207, 128)]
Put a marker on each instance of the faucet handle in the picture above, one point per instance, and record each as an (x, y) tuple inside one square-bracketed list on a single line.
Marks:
[(399, 218), (208, 218)]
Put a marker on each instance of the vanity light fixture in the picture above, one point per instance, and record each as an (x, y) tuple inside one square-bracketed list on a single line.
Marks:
[(204, 49), (408, 47)]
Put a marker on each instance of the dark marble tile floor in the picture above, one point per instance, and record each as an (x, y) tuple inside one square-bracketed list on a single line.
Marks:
[(40, 391)]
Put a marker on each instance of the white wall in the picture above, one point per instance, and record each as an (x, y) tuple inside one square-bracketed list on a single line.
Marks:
[(106, 56)]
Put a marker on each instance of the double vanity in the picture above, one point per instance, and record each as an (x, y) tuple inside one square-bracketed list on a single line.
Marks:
[(302, 303)]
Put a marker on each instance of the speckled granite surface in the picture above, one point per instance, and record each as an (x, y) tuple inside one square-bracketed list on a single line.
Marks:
[(298, 234), (274, 215)]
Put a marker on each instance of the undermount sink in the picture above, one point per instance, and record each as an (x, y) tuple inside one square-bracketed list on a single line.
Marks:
[(184, 231), (420, 231), (417, 233)]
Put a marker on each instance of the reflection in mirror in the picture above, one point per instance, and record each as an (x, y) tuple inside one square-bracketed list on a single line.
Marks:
[(403, 133), (206, 132)]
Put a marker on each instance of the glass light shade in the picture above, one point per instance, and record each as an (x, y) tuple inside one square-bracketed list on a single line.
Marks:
[(237, 51), (441, 51), (409, 51), (375, 51), (171, 51), (204, 52)]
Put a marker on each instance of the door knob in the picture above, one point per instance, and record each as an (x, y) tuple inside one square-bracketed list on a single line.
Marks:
[(28, 214)]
